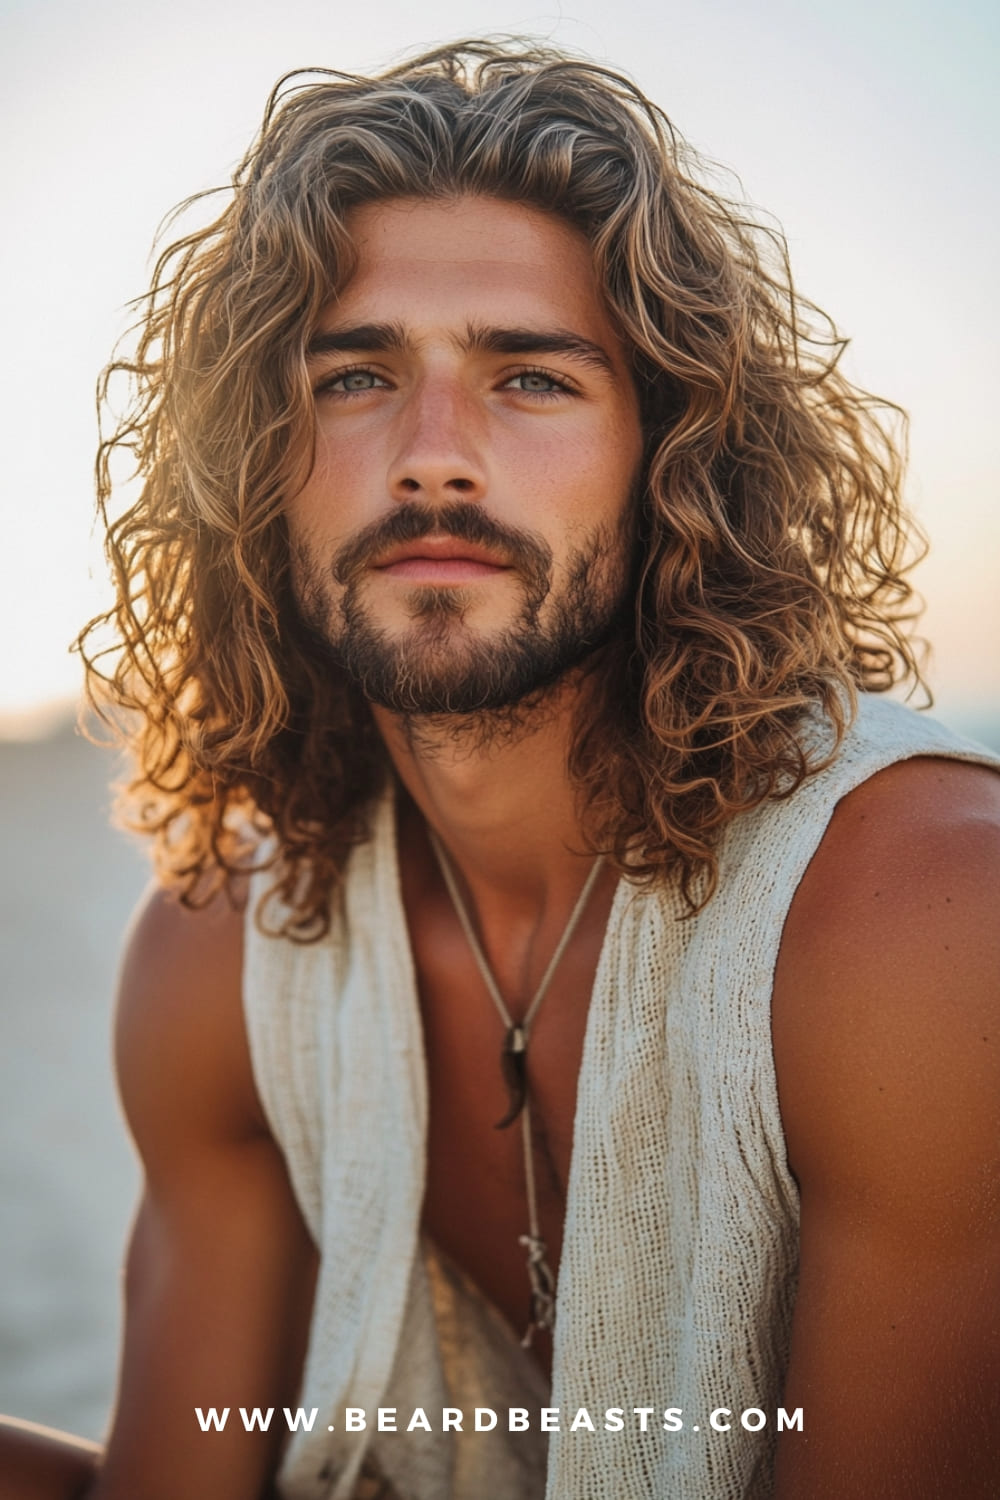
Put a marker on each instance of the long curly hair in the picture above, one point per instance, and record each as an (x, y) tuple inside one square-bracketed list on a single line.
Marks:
[(773, 542)]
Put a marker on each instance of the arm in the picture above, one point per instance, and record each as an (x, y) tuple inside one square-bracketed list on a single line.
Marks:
[(887, 1047), (220, 1269), (39, 1464)]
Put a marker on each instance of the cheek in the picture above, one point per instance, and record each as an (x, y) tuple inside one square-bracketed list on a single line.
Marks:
[(324, 503), (576, 463), (593, 484)]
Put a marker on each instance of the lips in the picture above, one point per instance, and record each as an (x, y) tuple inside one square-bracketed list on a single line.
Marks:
[(439, 559), (439, 549), (451, 543)]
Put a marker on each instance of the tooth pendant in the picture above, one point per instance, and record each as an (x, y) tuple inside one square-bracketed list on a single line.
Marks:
[(513, 1061)]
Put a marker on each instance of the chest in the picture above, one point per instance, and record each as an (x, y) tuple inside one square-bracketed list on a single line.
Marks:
[(476, 1205)]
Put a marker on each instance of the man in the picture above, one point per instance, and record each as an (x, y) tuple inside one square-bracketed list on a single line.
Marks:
[(502, 613)]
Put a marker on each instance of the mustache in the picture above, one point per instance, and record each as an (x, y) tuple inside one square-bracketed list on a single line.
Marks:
[(529, 553)]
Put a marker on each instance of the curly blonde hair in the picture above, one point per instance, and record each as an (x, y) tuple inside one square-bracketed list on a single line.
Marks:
[(773, 541)]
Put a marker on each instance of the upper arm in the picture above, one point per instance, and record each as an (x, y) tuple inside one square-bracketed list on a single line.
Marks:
[(887, 1048), (220, 1268)]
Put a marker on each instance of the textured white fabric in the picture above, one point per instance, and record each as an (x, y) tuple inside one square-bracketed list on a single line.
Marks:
[(679, 1257)]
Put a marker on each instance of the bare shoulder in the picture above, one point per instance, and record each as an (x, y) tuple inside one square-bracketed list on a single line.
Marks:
[(220, 1268), (887, 992), (180, 1039), (886, 1028)]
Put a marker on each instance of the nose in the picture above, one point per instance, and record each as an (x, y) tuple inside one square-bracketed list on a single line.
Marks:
[(438, 455)]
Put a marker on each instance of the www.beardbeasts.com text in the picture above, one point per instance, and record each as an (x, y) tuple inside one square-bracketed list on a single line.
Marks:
[(516, 1419)]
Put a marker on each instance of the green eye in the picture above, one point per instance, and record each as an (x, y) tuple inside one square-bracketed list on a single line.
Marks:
[(536, 383), (356, 380)]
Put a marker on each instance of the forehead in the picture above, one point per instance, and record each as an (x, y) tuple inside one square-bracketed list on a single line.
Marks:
[(471, 257)]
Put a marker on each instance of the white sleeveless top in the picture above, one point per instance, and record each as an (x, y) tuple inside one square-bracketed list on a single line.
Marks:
[(678, 1268)]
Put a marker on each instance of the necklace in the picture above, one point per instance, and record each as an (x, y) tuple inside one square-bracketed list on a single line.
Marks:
[(513, 1065)]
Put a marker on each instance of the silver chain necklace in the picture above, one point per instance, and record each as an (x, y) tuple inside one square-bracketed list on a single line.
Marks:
[(513, 1064)]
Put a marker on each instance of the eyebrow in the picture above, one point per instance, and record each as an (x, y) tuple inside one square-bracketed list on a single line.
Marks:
[(480, 338), (373, 337)]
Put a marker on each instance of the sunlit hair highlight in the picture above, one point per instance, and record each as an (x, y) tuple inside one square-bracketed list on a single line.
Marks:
[(773, 541)]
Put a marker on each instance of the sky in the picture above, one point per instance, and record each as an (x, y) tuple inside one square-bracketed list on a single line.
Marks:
[(870, 130)]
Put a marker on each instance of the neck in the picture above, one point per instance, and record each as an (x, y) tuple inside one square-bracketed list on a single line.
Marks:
[(501, 802)]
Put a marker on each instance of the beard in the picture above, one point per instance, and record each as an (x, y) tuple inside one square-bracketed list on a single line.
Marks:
[(440, 665)]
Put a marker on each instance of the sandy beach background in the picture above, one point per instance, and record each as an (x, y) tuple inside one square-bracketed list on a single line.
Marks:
[(67, 1178)]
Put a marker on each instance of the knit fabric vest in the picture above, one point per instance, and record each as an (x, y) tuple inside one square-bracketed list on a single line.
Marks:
[(678, 1271)]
